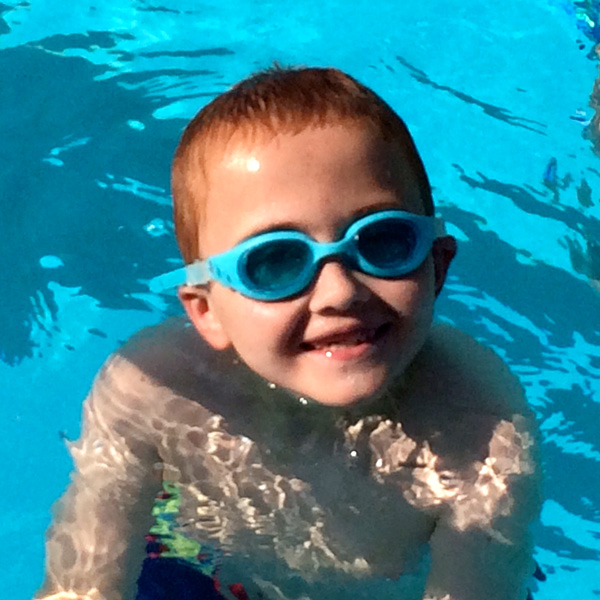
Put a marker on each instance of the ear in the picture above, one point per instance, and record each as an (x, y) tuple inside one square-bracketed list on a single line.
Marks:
[(198, 306), (444, 250)]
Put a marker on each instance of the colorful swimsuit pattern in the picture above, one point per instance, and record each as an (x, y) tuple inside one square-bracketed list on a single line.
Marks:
[(165, 542)]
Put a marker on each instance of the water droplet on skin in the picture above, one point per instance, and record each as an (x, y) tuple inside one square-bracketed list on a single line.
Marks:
[(328, 354)]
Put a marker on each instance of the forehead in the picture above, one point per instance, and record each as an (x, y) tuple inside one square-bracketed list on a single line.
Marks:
[(343, 139), (314, 180)]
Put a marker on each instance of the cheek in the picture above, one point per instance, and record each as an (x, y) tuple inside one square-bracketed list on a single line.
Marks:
[(411, 297), (252, 326)]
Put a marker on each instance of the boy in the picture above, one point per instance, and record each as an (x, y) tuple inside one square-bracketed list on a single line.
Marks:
[(323, 434)]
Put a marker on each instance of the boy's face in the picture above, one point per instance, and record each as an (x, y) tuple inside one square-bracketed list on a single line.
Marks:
[(349, 335)]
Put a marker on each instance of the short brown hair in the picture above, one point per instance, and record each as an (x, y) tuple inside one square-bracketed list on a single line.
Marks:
[(277, 100)]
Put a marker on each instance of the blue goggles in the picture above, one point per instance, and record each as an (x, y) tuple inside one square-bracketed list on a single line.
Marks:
[(280, 264)]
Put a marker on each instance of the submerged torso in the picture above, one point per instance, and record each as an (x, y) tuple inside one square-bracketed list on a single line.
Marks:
[(303, 499), (323, 518)]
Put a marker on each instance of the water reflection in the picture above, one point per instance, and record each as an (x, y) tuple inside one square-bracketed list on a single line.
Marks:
[(70, 153)]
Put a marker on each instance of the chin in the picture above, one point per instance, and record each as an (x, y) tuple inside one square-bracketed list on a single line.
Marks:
[(336, 401), (348, 397)]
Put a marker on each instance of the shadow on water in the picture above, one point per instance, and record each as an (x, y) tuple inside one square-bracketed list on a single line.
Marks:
[(69, 163), (4, 26), (585, 259), (552, 299), (491, 110)]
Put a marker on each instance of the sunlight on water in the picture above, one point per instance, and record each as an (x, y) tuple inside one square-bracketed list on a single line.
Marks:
[(498, 99)]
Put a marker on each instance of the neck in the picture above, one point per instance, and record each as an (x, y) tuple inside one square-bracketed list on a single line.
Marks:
[(297, 413)]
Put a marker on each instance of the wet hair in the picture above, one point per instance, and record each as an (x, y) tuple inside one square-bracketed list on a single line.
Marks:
[(277, 100)]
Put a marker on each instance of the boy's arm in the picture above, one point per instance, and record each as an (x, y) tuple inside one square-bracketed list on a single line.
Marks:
[(482, 546), (95, 546)]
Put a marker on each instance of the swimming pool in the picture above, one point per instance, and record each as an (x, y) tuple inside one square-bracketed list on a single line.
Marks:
[(497, 97)]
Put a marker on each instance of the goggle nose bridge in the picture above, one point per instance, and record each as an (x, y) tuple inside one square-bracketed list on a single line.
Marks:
[(345, 249)]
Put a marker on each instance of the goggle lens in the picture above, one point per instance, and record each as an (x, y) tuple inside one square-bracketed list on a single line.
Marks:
[(387, 244), (276, 265)]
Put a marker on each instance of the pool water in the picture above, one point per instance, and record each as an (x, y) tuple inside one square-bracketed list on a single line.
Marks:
[(92, 101)]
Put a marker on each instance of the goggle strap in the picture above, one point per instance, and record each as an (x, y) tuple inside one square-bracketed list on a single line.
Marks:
[(196, 273), (167, 281)]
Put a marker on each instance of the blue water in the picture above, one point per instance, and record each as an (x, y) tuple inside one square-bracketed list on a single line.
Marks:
[(92, 100)]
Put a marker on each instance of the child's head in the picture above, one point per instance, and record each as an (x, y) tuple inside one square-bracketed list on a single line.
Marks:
[(277, 101), (310, 155)]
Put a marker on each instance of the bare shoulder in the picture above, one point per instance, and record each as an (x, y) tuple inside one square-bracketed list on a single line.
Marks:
[(170, 355), (161, 349), (483, 470), (152, 371), (168, 371), (466, 374), (471, 411), (134, 370)]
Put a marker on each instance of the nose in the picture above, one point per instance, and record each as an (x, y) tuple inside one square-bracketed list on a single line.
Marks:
[(336, 289)]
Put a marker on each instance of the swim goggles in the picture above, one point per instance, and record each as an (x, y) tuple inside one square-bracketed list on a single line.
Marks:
[(280, 264)]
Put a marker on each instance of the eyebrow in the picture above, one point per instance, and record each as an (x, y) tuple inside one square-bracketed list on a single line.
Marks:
[(357, 214)]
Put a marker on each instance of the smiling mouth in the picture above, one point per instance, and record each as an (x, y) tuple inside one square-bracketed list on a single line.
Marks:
[(351, 339)]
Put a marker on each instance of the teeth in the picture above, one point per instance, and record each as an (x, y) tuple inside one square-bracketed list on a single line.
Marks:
[(354, 341)]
